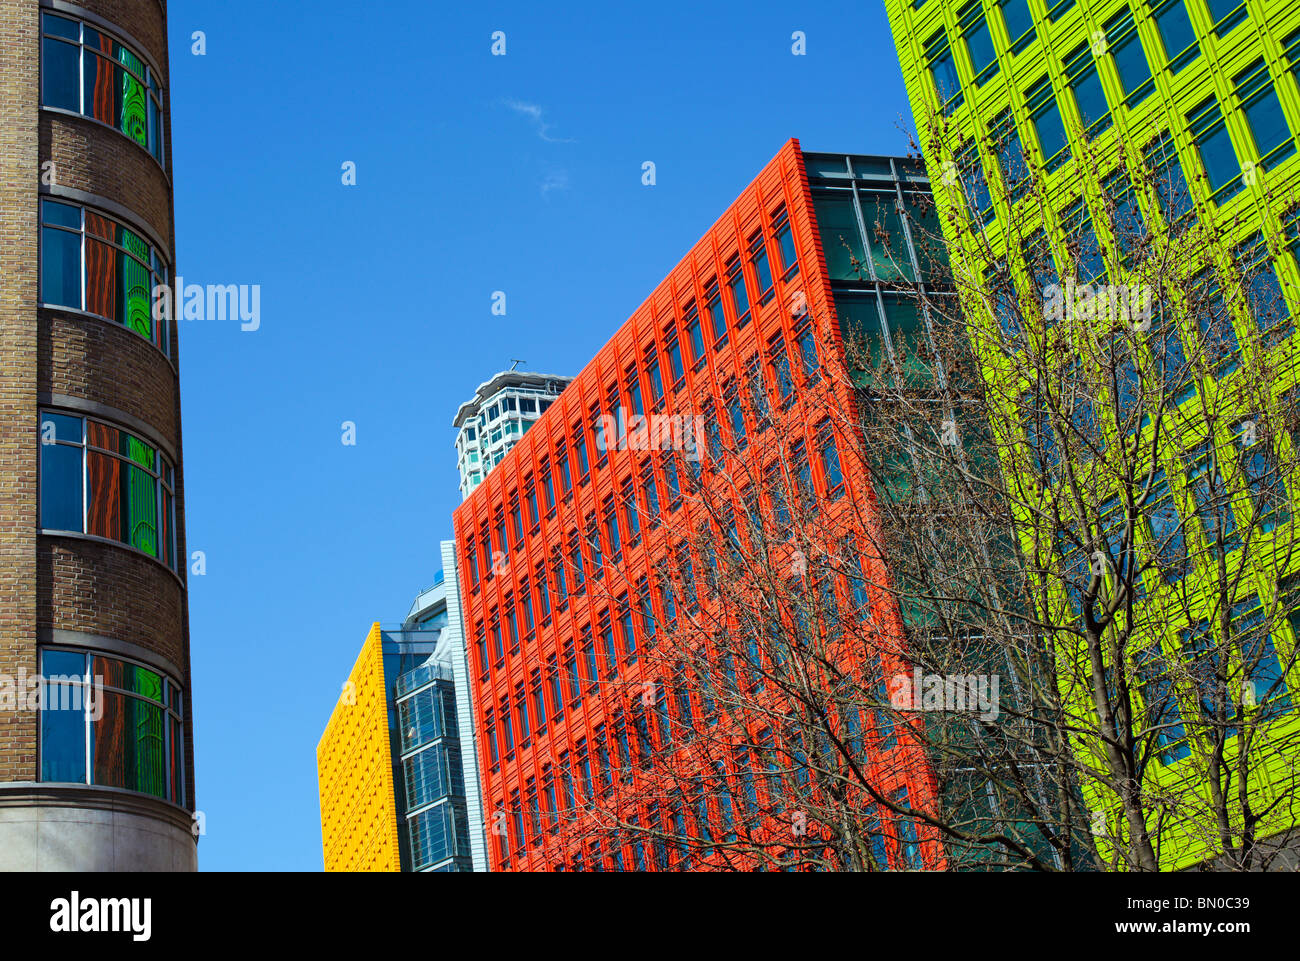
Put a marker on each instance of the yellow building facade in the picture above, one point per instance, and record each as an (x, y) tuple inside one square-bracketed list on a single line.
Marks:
[(358, 809)]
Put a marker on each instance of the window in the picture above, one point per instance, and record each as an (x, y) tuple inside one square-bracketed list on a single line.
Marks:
[(1127, 224), (739, 293), (1264, 478), (612, 535), (837, 218), (979, 43), (807, 341), (633, 384), (1263, 110), (526, 601), (93, 263), (533, 517), (1214, 147), (757, 391), (1121, 559), (1226, 14), (549, 486), (1006, 304), (1089, 98), (909, 847), (89, 73), (576, 558), (592, 537), (716, 316), (976, 189), (1019, 23), (651, 496), (1221, 348), (890, 259), (1263, 290), (561, 584), (630, 511), (1010, 154), (735, 416), (1037, 255), (100, 480), (646, 611), (656, 381), (580, 452), (675, 360), (1167, 173), (539, 701), (943, 72), (830, 463), (1082, 238), (498, 646), (1163, 715), (129, 736), (1125, 48), (628, 632), (762, 267), (562, 462), (1171, 363), (695, 334), (1045, 115), (1213, 502), (1176, 34), (1055, 11), (1291, 50), (785, 243), (1040, 436), (674, 483), (1266, 684)]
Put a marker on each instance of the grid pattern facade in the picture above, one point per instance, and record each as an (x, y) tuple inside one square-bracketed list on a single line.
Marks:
[(565, 539), (1201, 93), (354, 767)]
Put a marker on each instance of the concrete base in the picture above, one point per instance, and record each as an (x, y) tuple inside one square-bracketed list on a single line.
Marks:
[(55, 827)]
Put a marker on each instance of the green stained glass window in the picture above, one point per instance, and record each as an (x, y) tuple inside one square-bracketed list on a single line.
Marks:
[(86, 71), (122, 483), (92, 262), (126, 731)]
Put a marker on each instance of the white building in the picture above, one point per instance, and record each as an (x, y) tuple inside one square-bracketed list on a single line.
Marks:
[(502, 409)]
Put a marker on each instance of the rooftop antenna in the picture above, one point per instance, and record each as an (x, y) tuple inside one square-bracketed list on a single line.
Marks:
[(515, 363)]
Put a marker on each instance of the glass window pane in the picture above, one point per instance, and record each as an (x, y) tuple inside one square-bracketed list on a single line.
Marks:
[(60, 268), (841, 239), (61, 489), (888, 246), (63, 664), (1175, 32), (126, 745), (60, 26), (907, 334), (63, 734), (60, 80)]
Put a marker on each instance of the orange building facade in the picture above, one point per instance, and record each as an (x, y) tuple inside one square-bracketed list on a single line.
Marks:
[(575, 564)]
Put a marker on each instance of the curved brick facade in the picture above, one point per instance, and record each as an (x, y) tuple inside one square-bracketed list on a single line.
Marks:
[(77, 590)]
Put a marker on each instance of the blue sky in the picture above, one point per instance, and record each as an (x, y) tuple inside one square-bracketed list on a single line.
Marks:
[(475, 173)]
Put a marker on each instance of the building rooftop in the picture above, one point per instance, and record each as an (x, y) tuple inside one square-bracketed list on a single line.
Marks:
[(551, 383)]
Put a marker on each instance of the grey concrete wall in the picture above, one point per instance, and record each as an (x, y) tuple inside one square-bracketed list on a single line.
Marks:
[(49, 827)]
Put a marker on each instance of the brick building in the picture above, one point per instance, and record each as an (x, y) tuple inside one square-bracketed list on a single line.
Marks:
[(97, 774)]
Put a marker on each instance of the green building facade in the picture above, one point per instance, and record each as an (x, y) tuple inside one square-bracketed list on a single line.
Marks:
[(1071, 98)]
